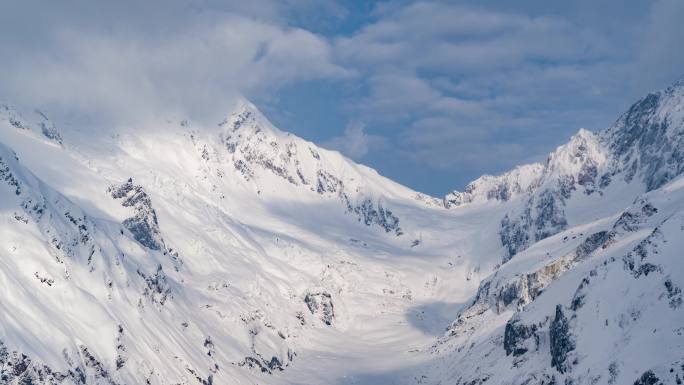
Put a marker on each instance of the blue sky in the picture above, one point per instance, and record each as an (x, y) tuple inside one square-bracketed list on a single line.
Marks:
[(432, 94)]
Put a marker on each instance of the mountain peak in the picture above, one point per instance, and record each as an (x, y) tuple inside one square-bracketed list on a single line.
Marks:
[(245, 116), (520, 180), (648, 139), (581, 152)]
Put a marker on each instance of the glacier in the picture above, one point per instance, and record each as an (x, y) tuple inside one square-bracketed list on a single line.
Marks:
[(180, 252)]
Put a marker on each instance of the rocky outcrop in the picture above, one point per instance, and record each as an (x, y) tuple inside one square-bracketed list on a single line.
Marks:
[(371, 214), (263, 365), (143, 224), (542, 217), (647, 141), (19, 368), (13, 117), (157, 288), (8, 177), (517, 337), (572, 167), (527, 287), (321, 306), (48, 128), (648, 378), (561, 340)]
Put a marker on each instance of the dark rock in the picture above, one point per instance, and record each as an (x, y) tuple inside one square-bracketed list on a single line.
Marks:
[(320, 304), (561, 342), (8, 177), (674, 294), (515, 336), (643, 141), (592, 243), (143, 225), (514, 234), (648, 378), (157, 288)]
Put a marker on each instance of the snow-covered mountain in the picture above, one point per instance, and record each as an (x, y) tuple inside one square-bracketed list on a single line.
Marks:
[(178, 252), (599, 173)]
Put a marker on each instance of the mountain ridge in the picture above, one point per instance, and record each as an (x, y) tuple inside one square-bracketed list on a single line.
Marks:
[(238, 253)]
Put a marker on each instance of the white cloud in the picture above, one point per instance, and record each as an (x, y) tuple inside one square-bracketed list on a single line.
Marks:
[(660, 48), (447, 83), (355, 143), (460, 81), (195, 68)]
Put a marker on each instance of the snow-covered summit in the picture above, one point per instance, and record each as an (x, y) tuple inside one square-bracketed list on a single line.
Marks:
[(576, 162), (271, 159), (647, 141), (519, 181), (579, 159), (600, 171)]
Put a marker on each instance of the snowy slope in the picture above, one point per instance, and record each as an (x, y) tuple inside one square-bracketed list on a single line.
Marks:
[(591, 292), (598, 303), (196, 268), (591, 176), (178, 252)]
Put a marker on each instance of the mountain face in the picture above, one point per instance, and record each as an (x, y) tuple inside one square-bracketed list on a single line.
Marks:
[(252, 143), (641, 151), (184, 253)]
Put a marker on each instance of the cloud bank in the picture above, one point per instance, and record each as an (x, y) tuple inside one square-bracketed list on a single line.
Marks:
[(194, 66), (446, 90)]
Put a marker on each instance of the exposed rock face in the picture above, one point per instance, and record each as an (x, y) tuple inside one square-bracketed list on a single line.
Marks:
[(320, 305), (592, 243), (370, 214), (573, 166), (7, 176), (648, 378), (18, 368), (157, 288), (647, 140), (527, 287), (516, 336), (263, 365), (143, 225), (561, 340), (542, 217), (254, 145)]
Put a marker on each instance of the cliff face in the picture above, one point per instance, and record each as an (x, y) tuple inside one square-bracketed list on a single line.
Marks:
[(640, 152)]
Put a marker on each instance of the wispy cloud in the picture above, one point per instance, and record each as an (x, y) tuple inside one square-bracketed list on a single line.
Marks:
[(355, 142), (449, 88), (483, 87), (195, 68)]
